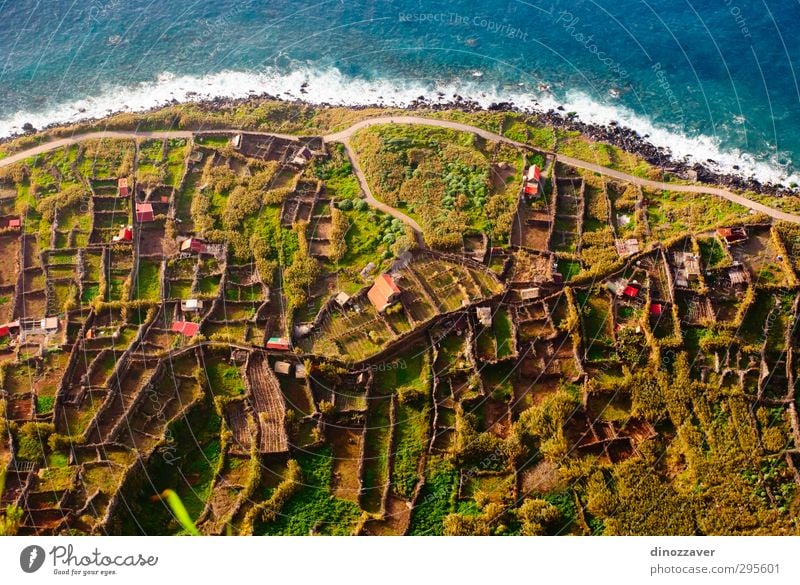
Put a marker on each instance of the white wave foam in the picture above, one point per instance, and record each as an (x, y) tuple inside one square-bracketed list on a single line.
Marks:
[(331, 86)]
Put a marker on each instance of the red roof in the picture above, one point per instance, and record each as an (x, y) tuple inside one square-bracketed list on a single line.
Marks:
[(656, 308), (15, 223), (532, 188), (122, 187), (631, 291), (126, 234), (278, 343), (193, 245), (3, 330), (534, 173), (186, 328), (144, 212), (383, 291)]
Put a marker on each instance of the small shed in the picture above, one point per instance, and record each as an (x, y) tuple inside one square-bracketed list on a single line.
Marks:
[(631, 291), (283, 368), (122, 187), (484, 316), (732, 235), (656, 309), (144, 212), (191, 305), (278, 343), (193, 245), (14, 223), (185, 328), (125, 234), (300, 372), (302, 156), (342, 299), (528, 294)]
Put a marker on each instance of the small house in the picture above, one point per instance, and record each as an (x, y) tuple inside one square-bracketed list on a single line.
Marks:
[(656, 309), (191, 305), (527, 294), (193, 245), (283, 368), (125, 234), (384, 293), (185, 328), (342, 299), (531, 189), (732, 235), (9, 328), (144, 212), (14, 223), (302, 156), (533, 181), (278, 344), (300, 372), (50, 324), (122, 187), (484, 316), (631, 291)]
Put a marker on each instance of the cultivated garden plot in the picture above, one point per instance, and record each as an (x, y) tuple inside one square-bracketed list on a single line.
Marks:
[(231, 318)]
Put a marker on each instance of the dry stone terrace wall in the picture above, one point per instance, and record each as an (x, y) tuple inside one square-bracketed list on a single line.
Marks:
[(129, 378)]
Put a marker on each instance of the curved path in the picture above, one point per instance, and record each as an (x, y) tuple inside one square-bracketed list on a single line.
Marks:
[(345, 135)]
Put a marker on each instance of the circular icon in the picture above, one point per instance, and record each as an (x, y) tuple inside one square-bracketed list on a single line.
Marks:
[(31, 558)]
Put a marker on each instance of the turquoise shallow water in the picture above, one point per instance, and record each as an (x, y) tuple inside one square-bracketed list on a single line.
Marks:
[(709, 78)]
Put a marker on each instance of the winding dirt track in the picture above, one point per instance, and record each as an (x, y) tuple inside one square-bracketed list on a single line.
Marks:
[(345, 135)]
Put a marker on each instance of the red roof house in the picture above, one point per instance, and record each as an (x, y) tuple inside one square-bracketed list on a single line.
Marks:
[(631, 291), (534, 173), (186, 328), (122, 187), (732, 235), (384, 292), (193, 245), (144, 212), (532, 189), (14, 223), (125, 234), (278, 343), (656, 309)]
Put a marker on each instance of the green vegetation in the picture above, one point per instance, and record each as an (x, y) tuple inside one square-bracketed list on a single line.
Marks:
[(312, 510), (578, 411), (441, 178)]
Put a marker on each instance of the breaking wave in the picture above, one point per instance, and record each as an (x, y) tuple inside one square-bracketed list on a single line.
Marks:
[(332, 87)]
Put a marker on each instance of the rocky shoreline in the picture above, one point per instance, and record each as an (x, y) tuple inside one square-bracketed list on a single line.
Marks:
[(622, 137)]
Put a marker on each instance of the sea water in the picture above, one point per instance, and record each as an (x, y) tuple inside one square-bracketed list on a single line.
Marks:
[(709, 79)]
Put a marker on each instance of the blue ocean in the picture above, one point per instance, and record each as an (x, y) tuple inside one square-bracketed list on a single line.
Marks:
[(710, 79)]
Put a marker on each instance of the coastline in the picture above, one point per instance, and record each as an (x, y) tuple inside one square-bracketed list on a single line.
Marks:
[(614, 133)]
